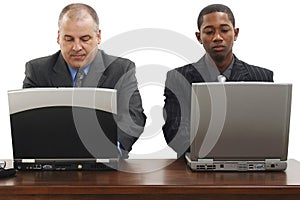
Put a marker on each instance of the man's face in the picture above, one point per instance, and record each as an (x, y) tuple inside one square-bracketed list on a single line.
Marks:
[(78, 40), (217, 35)]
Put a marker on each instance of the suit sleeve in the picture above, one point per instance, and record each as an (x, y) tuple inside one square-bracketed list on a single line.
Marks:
[(270, 76), (176, 112), (261, 74), (130, 118), (30, 79)]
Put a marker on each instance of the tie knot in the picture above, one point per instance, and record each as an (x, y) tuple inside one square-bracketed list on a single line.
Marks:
[(221, 78), (79, 78)]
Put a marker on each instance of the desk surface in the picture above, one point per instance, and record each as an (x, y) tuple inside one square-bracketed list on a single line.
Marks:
[(176, 181)]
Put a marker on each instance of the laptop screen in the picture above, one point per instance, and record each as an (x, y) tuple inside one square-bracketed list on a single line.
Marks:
[(63, 123), (240, 121)]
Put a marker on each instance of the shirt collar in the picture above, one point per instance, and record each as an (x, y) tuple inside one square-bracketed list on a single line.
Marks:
[(73, 71), (214, 71)]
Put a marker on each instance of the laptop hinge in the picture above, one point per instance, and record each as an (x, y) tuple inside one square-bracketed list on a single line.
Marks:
[(272, 160), (206, 161), (28, 160)]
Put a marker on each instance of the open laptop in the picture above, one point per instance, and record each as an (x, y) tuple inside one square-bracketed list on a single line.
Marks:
[(239, 126), (64, 128)]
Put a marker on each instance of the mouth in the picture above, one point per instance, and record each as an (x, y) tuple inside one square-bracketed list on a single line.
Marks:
[(77, 56), (219, 48)]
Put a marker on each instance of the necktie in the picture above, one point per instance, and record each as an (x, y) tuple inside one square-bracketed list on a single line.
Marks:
[(79, 78), (221, 78)]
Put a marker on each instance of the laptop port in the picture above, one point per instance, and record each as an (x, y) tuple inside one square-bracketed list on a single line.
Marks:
[(201, 167), (47, 167), (37, 167), (272, 165), (259, 166), (211, 167), (62, 166)]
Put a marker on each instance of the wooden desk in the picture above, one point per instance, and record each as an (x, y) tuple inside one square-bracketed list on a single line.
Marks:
[(176, 181)]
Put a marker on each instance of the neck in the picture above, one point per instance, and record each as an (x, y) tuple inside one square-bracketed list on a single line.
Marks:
[(223, 63)]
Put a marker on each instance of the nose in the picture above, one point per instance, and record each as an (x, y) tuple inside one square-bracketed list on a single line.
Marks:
[(77, 46), (217, 36)]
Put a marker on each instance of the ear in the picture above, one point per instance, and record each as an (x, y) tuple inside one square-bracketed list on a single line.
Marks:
[(99, 36), (198, 36), (236, 33), (58, 37)]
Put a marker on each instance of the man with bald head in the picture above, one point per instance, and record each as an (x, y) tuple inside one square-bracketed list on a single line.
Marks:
[(79, 63)]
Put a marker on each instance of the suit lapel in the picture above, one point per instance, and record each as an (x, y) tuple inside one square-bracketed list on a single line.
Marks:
[(199, 68), (61, 76), (239, 72), (95, 76)]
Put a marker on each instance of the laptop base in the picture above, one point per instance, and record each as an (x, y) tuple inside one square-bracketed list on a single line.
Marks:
[(66, 165), (235, 165)]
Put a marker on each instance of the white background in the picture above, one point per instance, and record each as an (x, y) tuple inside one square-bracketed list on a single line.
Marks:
[(269, 37)]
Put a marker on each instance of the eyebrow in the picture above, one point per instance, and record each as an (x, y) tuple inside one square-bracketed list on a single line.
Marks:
[(225, 25), (210, 26), (80, 37)]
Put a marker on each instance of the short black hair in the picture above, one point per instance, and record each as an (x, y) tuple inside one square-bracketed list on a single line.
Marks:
[(215, 8)]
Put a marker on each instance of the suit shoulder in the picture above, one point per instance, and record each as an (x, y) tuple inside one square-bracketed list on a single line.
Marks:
[(187, 72), (110, 60), (183, 70), (256, 73), (253, 67), (44, 61)]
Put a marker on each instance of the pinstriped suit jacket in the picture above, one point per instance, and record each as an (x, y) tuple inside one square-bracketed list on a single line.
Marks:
[(178, 96)]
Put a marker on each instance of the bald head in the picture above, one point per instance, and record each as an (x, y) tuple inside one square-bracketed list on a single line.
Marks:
[(78, 12)]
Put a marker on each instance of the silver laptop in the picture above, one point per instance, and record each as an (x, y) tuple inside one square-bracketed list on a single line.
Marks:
[(239, 126), (64, 128)]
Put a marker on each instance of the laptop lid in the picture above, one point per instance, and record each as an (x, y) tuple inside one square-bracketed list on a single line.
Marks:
[(244, 121), (63, 124)]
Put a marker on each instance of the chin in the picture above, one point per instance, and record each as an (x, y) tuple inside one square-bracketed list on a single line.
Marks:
[(218, 58), (76, 64)]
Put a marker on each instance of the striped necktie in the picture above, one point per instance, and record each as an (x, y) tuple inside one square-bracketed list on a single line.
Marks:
[(79, 78)]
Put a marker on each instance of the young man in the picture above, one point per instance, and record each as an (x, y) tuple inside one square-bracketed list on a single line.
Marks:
[(217, 33), (78, 37)]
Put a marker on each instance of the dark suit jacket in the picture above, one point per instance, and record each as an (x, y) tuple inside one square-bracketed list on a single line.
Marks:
[(105, 72), (178, 97)]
